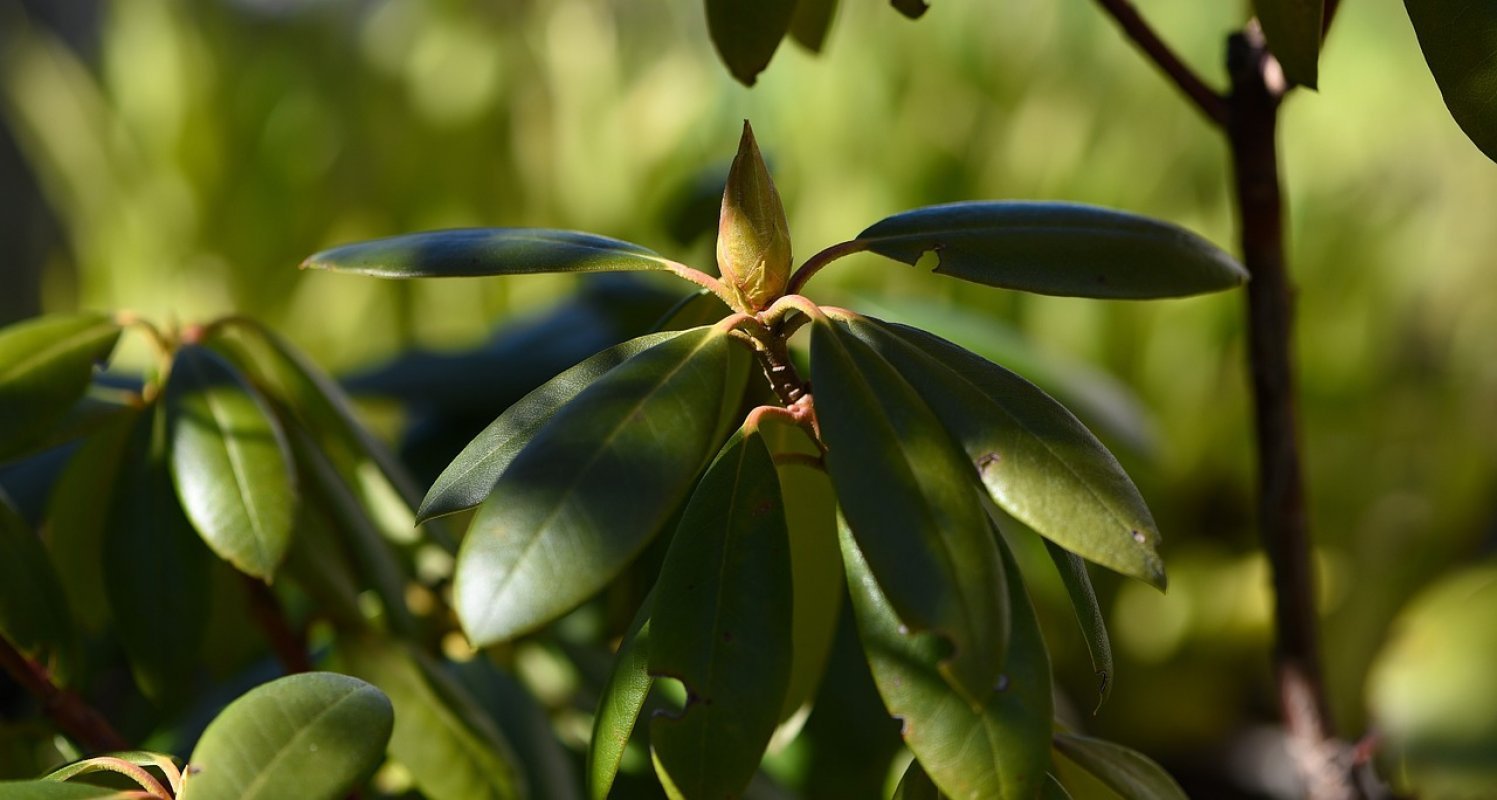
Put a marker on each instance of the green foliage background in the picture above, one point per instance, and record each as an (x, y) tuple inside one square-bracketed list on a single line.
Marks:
[(204, 148)]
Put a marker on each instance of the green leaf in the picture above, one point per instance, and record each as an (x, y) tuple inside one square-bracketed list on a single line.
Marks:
[(45, 365), (33, 609), (694, 310), (52, 790), (1053, 789), (310, 736), (915, 784), (1293, 30), (1125, 771), (472, 475), (811, 23), (595, 485), (747, 32), (1088, 614), (1458, 38), (550, 771), (78, 516), (157, 576), (1057, 248), (913, 9), (619, 705), (1038, 462), (911, 499), (721, 624), (230, 463), (469, 252), (453, 750), (127, 763), (1001, 749)]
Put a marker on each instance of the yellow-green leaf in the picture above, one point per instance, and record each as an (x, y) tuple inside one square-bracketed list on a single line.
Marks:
[(45, 365)]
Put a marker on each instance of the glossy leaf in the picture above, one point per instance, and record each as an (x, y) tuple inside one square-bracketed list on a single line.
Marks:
[(747, 32), (229, 462), (34, 613), (1057, 248), (1001, 749), (1088, 615), (473, 473), (452, 749), (1458, 38), (910, 497), (157, 575), (811, 23), (619, 704), (310, 736), (1129, 773), (1293, 30), (721, 624), (45, 365), (52, 790), (915, 784), (595, 484), (78, 516), (1038, 462), (471, 252), (913, 9)]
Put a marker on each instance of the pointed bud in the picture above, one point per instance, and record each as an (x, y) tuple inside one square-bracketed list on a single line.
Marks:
[(753, 239)]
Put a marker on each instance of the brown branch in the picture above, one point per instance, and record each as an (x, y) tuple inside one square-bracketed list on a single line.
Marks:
[(71, 713), (290, 647), (1282, 523), (1207, 100)]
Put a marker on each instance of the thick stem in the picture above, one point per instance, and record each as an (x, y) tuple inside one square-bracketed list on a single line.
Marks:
[(289, 646), (1207, 100), (72, 715), (1282, 521)]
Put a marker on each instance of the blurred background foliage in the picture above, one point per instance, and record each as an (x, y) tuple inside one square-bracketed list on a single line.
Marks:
[(179, 158)]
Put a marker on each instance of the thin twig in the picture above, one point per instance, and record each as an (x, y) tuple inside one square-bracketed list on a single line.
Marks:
[(289, 646), (1207, 100), (73, 716)]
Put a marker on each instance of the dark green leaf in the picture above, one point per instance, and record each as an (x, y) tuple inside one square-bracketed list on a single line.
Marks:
[(618, 708), (812, 21), (694, 310), (45, 365), (1057, 248), (309, 736), (1458, 38), (1038, 462), (910, 496), (319, 564), (913, 9), (1293, 30), (721, 624), (52, 790), (549, 769), (157, 576), (472, 475), (468, 252), (747, 32), (33, 609), (595, 484), (230, 463), (78, 516), (1127, 772), (1001, 749), (916, 785), (1088, 614), (453, 750), (1053, 789)]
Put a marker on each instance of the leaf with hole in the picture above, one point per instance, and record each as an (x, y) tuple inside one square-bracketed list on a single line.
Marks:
[(313, 736), (910, 497), (45, 366), (1056, 248), (472, 252), (1038, 462), (595, 484), (721, 624), (1459, 38)]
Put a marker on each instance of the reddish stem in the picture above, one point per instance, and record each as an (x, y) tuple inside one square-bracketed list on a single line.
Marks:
[(72, 715)]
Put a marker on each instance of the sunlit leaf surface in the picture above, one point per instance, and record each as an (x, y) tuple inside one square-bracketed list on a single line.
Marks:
[(45, 365)]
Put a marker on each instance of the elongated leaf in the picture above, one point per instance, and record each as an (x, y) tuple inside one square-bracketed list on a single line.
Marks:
[(1293, 30), (694, 310), (595, 484), (910, 497), (33, 609), (78, 514), (229, 462), (1088, 614), (1001, 749), (1038, 462), (618, 708), (1458, 38), (548, 767), (916, 785), (310, 736), (472, 475), (1054, 789), (453, 751), (171, 774), (157, 576), (469, 252), (52, 790), (721, 624), (812, 21), (45, 365), (1127, 772), (1057, 248), (747, 32)]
